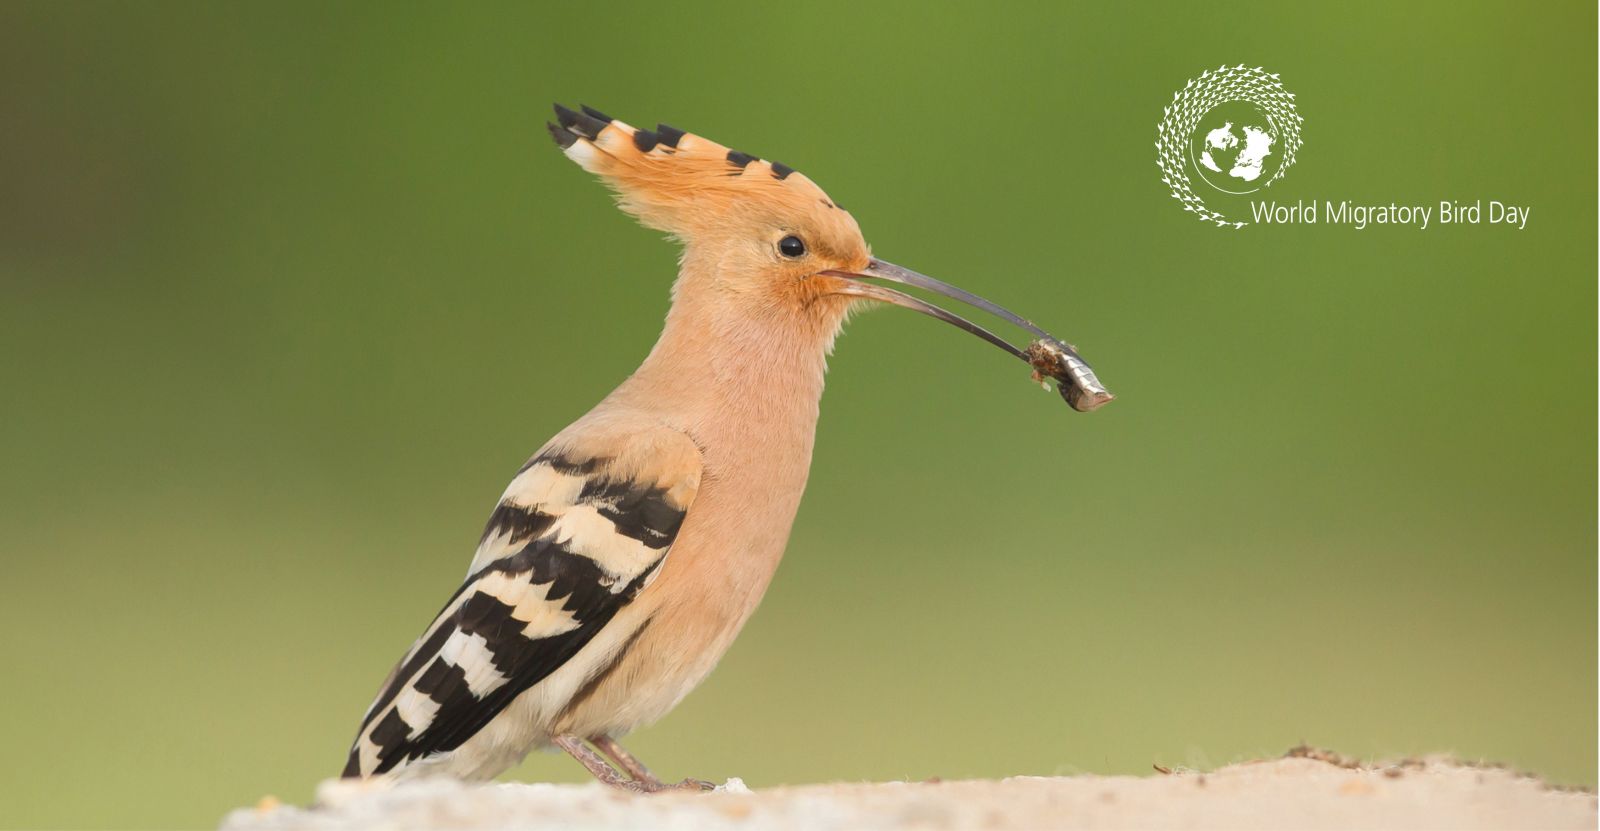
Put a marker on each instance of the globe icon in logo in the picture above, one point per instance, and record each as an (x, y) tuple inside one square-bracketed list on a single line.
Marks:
[(1236, 129), (1235, 148)]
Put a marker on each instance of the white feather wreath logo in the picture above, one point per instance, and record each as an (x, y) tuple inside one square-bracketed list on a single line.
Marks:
[(1235, 129)]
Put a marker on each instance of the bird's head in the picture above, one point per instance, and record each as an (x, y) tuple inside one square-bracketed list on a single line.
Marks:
[(758, 231), (759, 237)]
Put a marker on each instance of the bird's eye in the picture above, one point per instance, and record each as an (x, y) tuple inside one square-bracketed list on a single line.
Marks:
[(792, 247)]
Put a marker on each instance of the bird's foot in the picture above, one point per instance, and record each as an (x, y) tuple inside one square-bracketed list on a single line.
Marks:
[(640, 786)]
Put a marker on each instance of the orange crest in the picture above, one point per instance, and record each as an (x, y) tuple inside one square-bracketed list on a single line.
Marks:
[(684, 184)]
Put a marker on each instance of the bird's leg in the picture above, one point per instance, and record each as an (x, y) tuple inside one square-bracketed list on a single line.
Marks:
[(641, 781), (593, 762), (608, 775), (629, 763)]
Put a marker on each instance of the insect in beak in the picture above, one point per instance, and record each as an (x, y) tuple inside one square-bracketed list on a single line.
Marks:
[(1047, 354)]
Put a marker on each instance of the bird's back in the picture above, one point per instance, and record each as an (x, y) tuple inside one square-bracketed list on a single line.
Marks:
[(581, 530)]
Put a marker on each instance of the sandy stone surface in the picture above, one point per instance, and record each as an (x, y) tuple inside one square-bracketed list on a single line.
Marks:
[(1307, 790)]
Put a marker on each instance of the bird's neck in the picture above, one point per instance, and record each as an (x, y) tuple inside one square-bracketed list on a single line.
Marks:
[(738, 375), (735, 375)]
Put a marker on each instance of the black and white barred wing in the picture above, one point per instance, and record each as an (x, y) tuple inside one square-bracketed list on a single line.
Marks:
[(574, 539)]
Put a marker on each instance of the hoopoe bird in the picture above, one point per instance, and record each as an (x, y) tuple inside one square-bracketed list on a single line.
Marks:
[(625, 556)]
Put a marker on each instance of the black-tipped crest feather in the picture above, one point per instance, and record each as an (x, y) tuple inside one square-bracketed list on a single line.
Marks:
[(564, 137), (669, 135)]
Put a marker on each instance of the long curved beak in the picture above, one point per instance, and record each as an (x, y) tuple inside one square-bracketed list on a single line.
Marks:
[(1047, 354)]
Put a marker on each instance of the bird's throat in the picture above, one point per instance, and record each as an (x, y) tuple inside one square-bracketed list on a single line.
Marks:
[(732, 375)]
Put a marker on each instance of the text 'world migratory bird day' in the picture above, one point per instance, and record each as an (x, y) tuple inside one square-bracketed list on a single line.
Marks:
[(1358, 216)]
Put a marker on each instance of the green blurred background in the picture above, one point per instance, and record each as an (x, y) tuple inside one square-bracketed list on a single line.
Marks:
[(287, 293)]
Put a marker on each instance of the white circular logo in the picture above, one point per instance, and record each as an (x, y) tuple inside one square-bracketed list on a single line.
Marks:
[(1234, 128)]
